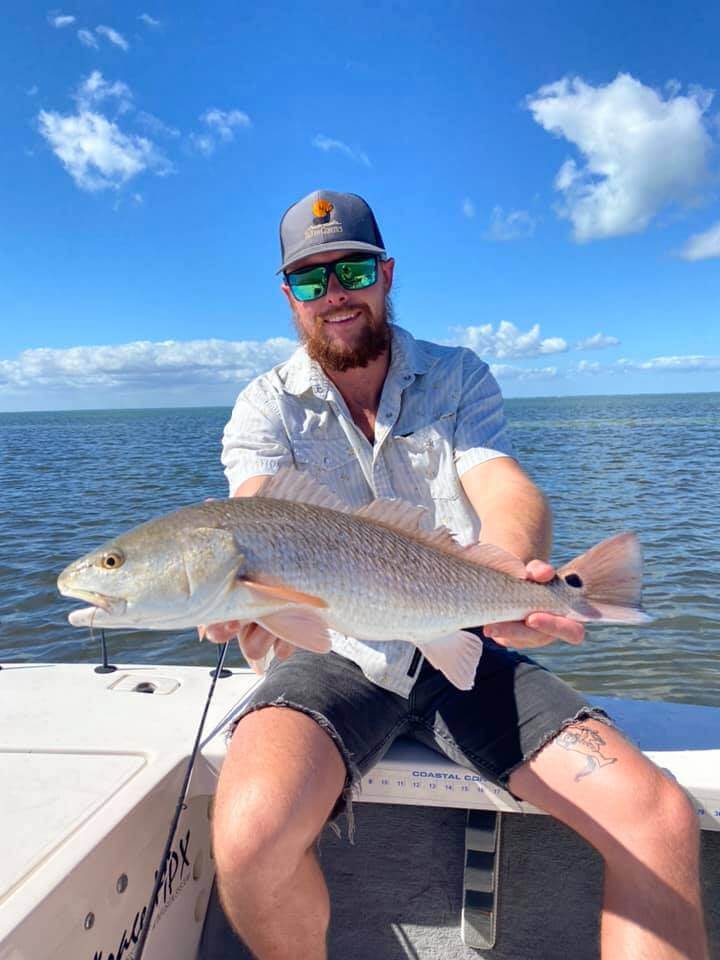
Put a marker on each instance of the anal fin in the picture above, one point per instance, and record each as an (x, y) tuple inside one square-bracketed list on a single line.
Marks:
[(457, 656), (301, 626)]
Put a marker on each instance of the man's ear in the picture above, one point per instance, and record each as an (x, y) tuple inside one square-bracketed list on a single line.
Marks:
[(388, 268), (286, 290)]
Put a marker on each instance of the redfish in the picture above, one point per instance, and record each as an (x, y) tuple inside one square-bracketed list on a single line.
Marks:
[(301, 563)]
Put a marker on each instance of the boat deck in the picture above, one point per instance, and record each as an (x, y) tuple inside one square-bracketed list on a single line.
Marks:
[(92, 763)]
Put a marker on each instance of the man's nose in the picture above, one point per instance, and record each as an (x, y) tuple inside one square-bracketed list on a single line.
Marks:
[(336, 293)]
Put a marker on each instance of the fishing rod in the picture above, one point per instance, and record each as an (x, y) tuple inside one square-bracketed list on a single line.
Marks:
[(160, 874)]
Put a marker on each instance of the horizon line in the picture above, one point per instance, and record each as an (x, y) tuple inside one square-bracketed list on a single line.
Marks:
[(229, 406)]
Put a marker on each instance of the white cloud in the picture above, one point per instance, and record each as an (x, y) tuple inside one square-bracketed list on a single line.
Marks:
[(639, 151), (87, 39), (703, 246), (507, 341), (514, 225), (327, 143), (674, 364), (143, 364), (60, 20), (468, 208), (150, 21), (597, 341), (155, 125), (670, 364), (224, 122), (591, 367), (95, 152), (31, 91), (203, 143), (113, 36), (95, 88), (504, 372)]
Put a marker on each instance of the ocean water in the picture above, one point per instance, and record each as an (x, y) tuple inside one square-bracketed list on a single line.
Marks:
[(644, 463)]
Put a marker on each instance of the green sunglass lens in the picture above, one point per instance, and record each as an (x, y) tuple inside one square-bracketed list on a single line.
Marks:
[(352, 274), (309, 284), (356, 274)]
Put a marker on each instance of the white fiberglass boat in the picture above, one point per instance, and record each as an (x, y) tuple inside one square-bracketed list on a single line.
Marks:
[(444, 864)]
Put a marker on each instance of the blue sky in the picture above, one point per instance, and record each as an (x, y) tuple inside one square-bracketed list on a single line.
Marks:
[(546, 176)]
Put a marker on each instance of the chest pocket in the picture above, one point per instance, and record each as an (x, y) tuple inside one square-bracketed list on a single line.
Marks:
[(330, 462), (428, 452)]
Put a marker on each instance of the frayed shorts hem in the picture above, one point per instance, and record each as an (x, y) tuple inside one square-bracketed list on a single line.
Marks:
[(585, 713)]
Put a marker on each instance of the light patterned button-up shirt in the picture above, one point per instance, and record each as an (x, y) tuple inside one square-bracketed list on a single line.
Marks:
[(440, 414)]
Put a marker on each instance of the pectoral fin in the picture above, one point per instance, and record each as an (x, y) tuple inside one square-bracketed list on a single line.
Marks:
[(457, 656), (281, 592)]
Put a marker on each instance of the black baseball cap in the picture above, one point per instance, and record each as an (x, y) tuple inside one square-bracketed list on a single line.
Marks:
[(326, 221)]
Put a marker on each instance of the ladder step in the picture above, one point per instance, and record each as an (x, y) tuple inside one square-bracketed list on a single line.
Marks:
[(480, 880)]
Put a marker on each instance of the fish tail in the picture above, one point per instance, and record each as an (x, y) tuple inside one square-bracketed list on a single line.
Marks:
[(608, 581)]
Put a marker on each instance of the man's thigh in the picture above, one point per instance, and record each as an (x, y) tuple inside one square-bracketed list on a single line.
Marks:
[(279, 782), (310, 713), (514, 709)]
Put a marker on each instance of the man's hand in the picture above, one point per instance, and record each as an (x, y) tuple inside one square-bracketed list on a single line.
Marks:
[(255, 641), (538, 629)]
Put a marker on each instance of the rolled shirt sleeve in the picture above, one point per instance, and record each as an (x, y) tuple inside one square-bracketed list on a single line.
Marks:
[(254, 441), (481, 431)]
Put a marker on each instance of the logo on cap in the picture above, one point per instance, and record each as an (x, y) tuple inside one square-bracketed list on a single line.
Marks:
[(321, 210), (323, 224)]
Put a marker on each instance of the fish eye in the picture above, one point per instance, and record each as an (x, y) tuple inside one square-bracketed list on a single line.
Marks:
[(573, 580), (112, 560)]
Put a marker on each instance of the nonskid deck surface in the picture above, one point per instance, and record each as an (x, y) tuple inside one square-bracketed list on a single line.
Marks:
[(397, 893), (92, 764)]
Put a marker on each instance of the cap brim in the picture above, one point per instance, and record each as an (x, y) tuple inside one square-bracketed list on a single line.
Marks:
[(353, 245)]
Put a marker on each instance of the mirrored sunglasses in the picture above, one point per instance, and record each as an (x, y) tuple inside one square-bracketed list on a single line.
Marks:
[(353, 273)]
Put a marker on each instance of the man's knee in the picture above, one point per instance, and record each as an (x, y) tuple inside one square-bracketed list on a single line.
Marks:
[(657, 820), (669, 811), (261, 863), (279, 782), (247, 834)]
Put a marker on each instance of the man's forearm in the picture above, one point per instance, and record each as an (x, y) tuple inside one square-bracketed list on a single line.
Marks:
[(520, 521), (512, 511)]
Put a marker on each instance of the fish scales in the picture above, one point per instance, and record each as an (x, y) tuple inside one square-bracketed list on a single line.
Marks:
[(296, 560), (386, 583)]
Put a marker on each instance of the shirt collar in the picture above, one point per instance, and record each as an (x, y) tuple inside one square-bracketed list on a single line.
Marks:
[(408, 358)]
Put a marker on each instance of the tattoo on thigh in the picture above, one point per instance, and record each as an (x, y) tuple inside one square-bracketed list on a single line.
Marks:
[(588, 743)]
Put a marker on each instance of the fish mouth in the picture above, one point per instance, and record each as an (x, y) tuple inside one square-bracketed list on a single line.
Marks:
[(103, 606)]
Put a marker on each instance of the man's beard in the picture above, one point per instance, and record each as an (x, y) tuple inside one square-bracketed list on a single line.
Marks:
[(373, 341)]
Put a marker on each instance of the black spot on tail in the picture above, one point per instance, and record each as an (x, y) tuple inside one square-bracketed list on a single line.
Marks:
[(573, 580)]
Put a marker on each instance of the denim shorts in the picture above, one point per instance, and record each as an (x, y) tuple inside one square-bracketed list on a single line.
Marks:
[(515, 707)]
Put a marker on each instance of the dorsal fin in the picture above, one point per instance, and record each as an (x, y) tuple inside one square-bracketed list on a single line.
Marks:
[(408, 519), (488, 555), (291, 484), (395, 513)]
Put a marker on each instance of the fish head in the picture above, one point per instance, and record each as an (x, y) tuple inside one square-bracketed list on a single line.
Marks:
[(163, 574)]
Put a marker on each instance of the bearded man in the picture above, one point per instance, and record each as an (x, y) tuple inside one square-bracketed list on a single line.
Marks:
[(369, 411)]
